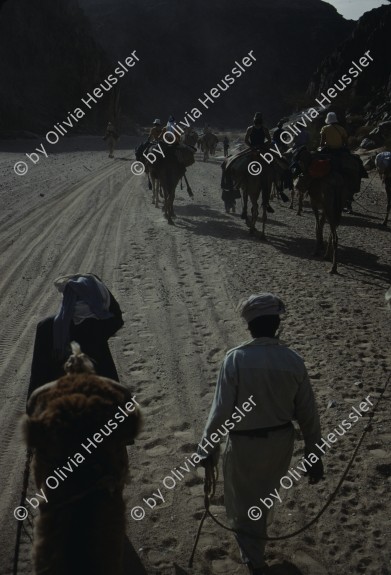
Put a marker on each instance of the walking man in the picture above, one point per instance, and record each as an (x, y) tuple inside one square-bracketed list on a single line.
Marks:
[(273, 379), (111, 137)]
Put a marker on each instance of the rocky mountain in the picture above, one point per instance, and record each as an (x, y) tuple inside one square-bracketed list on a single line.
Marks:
[(50, 60), (186, 48), (368, 98), (55, 51)]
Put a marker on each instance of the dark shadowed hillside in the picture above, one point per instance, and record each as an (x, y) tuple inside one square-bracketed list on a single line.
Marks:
[(187, 47), (49, 61), (370, 94)]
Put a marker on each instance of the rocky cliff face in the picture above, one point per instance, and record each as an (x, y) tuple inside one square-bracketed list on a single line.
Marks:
[(369, 96), (187, 47), (51, 57), (49, 61)]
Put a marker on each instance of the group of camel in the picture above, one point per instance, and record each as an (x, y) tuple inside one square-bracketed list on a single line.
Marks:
[(328, 193)]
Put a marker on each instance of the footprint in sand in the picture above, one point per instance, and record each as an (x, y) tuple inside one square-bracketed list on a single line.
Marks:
[(309, 565)]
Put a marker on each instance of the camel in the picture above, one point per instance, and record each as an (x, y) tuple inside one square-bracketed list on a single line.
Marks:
[(383, 165), (78, 435), (251, 187), (167, 171), (208, 142), (153, 183), (190, 138), (387, 184), (348, 165), (328, 196)]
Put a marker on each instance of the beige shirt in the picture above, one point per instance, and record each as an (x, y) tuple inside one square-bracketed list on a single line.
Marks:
[(333, 136), (276, 378)]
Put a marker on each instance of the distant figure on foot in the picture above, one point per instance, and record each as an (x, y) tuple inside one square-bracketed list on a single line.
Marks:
[(111, 137)]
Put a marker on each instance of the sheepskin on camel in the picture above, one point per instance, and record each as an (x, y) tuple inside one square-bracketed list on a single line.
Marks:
[(81, 527)]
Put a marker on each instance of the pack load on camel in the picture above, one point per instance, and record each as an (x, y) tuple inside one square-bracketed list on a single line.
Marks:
[(333, 156)]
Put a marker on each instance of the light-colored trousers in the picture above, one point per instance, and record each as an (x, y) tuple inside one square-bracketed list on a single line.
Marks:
[(253, 467)]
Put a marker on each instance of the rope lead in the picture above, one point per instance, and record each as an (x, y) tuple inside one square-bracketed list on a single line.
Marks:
[(210, 488)]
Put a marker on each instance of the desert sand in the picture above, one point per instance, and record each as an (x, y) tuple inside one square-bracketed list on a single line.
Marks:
[(79, 211)]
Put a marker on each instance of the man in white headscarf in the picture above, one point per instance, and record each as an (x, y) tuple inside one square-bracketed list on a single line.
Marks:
[(271, 378), (90, 315)]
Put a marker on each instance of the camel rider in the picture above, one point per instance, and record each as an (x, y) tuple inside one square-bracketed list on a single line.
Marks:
[(258, 138), (156, 131), (334, 140), (170, 127), (257, 135), (333, 136)]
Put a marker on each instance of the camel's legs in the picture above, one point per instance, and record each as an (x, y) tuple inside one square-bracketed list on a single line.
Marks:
[(292, 199), (266, 190), (334, 242), (155, 192), (254, 215), (300, 206), (319, 223), (388, 191), (264, 220), (245, 204)]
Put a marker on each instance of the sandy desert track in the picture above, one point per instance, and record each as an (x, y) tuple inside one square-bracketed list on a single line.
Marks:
[(178, 287)]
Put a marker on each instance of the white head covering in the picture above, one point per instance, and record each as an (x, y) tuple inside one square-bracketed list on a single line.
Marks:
[(259, 305), (82, 310), (331, 118)]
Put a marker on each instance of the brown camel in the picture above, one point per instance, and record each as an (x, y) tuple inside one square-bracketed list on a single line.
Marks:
[(328, 196), (190, 138), (251, 187), (154, 185), (168, 171), (78, 435)]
